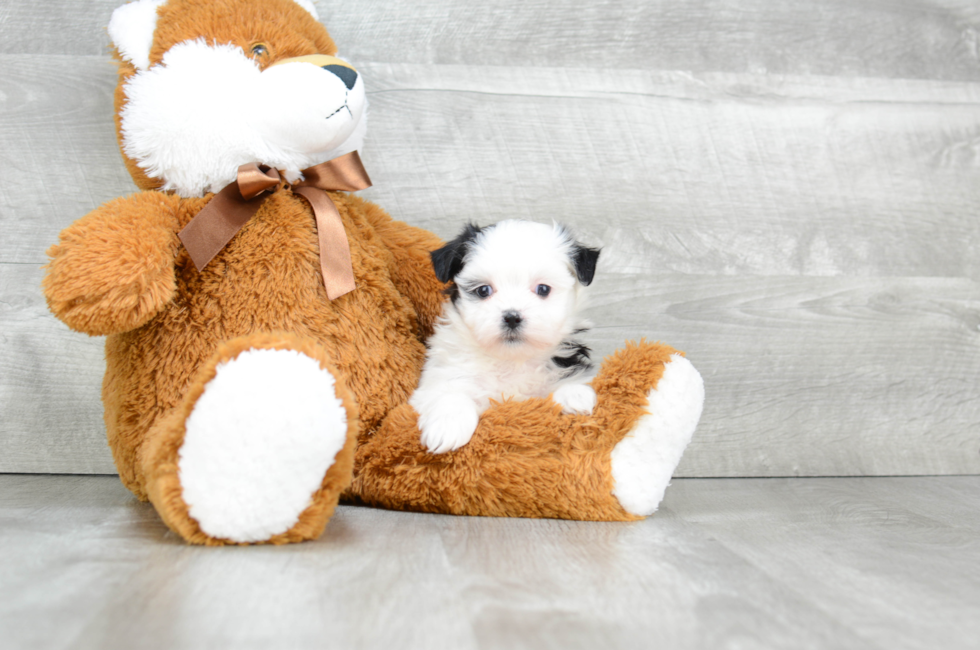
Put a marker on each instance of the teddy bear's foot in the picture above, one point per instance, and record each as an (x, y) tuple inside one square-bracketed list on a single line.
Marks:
[(258, 443), (643, 461), (264, 451)]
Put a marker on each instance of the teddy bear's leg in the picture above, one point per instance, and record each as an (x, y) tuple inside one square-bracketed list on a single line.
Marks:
[(260, 448), (527, 459)]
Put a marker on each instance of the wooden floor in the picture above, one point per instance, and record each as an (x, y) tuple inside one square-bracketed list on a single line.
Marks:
[(727, 563)]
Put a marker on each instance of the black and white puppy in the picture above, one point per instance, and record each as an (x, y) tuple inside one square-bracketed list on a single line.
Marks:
[(507, 329)]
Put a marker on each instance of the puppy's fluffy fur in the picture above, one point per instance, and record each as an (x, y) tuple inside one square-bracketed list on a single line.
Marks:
[(507, 329)]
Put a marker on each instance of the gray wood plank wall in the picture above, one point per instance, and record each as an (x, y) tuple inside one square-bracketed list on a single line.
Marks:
[(788, 192)]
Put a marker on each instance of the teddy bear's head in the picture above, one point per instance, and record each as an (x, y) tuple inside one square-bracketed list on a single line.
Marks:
[(208, 85)]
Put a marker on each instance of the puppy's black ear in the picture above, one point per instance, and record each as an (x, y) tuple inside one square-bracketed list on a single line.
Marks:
[(585, 259), (448, 260)]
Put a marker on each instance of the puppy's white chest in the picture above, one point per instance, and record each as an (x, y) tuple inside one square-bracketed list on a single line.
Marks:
[(517, 380)]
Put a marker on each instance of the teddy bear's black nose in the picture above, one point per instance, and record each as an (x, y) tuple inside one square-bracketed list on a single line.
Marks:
[(347, 75)]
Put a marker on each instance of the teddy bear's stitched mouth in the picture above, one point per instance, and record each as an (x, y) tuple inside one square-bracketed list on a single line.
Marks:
[(340, 109), (346, 96)]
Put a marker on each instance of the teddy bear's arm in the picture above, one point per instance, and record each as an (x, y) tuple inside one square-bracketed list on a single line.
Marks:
[(113, 269), (411, 266)]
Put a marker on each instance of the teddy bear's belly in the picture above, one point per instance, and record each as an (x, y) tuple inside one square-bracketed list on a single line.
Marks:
[(268, 281)]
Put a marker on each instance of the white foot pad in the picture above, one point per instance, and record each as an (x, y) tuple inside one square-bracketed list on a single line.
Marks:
[(258, 443), (643, 461)]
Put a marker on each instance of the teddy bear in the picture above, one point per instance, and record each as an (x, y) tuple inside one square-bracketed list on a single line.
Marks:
[(265, 327)]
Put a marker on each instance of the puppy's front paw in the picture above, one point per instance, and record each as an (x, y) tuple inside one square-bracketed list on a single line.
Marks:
[(448, 424), (577, 399)]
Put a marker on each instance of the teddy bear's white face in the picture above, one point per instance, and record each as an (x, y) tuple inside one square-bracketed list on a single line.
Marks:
[(205, 109)]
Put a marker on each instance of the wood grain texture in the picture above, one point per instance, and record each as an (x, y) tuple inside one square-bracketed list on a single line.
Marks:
[(792, 201), (725, 174), (718, 174), (59, 153), (50, 383), (902, 39), (865, 542), (810, 376), (796, 563)]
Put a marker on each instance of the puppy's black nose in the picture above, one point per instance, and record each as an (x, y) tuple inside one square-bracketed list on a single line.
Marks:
[(348, 76), (512, 319)]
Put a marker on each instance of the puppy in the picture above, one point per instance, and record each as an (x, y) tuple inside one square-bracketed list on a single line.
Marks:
[(507, 329)]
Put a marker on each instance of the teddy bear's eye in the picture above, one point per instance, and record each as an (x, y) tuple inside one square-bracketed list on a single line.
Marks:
[(259, 50)]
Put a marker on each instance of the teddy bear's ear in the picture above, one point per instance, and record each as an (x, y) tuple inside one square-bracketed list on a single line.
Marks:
[(131, 30), (132, 25), (306, 4)]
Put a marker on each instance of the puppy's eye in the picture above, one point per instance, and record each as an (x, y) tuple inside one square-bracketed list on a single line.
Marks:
[(543, 290), (483, 291), (259, 50)]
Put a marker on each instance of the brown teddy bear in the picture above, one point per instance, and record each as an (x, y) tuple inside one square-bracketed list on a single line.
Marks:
[(265, 329)]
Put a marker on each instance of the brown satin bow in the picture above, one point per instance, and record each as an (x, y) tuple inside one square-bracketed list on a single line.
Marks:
[(229, 210)]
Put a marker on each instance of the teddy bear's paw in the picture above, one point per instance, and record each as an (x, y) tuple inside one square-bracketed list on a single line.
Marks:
[(643, 461), (258, 444), (447, 423), (575, 399)]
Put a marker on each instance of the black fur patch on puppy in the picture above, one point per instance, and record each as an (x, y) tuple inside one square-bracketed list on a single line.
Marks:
[(448, 260), (574, 358)]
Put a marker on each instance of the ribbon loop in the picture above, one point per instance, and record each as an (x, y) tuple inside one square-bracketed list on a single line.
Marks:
[(231, 208), (253, 180), (343, 174)]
